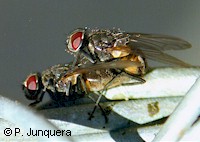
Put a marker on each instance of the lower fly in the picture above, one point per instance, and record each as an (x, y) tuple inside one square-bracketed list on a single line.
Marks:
[(58, 81)]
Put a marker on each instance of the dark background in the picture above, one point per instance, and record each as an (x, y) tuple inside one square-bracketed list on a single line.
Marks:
[(33, 32)]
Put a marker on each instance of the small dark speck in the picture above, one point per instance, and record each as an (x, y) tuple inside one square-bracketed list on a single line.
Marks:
[(123, 133), (153, 108)]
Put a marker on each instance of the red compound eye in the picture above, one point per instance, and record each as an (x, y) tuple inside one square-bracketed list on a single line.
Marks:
[(76, 40), (31, 82)]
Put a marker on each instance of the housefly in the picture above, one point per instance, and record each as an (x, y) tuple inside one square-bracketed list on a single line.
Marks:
[(36, 84), (101, 45), (96, 78)]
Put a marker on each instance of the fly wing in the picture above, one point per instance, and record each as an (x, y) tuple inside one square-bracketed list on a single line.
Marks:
[(165, 58), (116, 64), (150, 46), (159, 42)]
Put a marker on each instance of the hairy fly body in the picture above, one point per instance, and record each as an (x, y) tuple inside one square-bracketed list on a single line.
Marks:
[(104, 45), (58, 80), (101, 45)]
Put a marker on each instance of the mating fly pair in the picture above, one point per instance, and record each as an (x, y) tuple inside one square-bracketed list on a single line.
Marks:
[(60, 84), (105, 58)]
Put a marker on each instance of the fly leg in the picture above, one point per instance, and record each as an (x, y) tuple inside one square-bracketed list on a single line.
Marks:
[(78, 56), (118, 78), (81, 83), (133, 77), (109, 84), (97, 104), (98, 100), (78, 90), (82, 86), (75, 61)]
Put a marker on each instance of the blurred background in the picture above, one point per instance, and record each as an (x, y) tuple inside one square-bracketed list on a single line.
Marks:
[(33, 33)]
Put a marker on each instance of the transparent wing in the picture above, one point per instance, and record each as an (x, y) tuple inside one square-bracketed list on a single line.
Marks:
[(165, 58), (150, 46), (159, 42)]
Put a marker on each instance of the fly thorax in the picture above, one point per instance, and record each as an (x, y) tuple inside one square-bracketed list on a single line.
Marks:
[(62, 86), (103, 56), (98, 43), (47, 79)]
